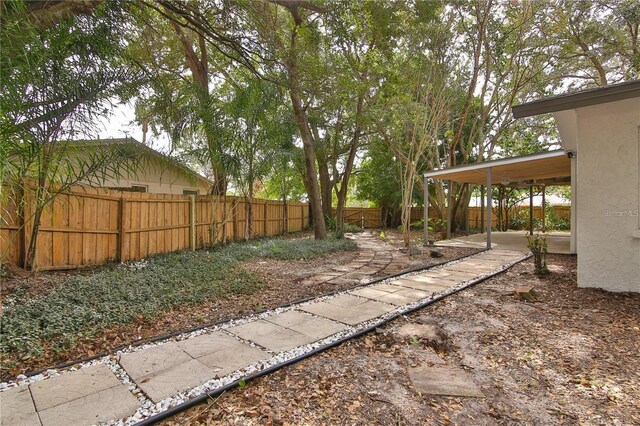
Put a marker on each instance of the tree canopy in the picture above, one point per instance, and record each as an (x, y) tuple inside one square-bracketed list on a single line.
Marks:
[(293, 98)]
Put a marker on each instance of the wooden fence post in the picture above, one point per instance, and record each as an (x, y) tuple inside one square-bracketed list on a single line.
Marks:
[(121, 230), (192, 221), (234, 209), (266, 220)]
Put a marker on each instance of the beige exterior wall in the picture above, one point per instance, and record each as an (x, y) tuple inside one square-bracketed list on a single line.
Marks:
[(608, 195), (161, 179)]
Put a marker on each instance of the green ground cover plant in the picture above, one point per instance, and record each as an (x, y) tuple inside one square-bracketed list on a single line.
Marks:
[(83, 304)]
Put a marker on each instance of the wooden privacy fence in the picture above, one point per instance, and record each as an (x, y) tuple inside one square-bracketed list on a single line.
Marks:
[(91, 226), (372, 217), (475, 214)]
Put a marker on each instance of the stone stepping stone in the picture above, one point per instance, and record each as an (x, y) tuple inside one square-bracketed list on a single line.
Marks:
[(113, 403), (222, 353), (429, 287), (84, 397), (147, 362), (480, 266), (164, 370), (17, 408), (402, 296), (174, 380), (271, 336), (70, 386), (348, 309), (314, 327), (461, 276), (443, 380)]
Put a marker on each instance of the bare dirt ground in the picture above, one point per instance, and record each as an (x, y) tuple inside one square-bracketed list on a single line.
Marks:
[(419, 254), (571, 357)]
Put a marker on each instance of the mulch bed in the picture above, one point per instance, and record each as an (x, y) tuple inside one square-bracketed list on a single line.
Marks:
[(570, 357)]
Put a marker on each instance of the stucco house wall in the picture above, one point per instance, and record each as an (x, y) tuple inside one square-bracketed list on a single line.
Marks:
[(160, 178), (608, 195)]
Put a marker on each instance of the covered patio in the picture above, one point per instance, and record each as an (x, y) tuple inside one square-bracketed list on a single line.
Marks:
[(557, 242), (528, 171)]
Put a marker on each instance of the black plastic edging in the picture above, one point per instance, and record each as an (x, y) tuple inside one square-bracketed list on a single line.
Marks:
[(216, 392), (223, 320)]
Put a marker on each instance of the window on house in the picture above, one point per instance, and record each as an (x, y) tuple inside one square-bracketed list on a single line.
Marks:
[(138, 188), (189, 192)]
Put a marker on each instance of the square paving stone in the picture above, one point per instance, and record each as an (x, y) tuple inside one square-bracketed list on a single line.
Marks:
[(442, 281), (444, 380), (314, 327), (31, 419), (149, 361), (396, 298), (427, 287), (176, 379), (386, 287), (16, 407), (109, 404), (351, 310), (270, 336), (70, 386), (470, 267), (463, 276), (222, 353)]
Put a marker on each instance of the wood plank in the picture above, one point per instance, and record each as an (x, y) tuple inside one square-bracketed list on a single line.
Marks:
[(144, 224), (152, 222)]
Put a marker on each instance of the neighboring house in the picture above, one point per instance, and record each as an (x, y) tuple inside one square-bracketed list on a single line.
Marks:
[(154, 173)]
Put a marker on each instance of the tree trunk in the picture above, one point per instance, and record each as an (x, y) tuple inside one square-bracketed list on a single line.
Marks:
[(248, 228), (30, 258), (344, 184), (325, 188), (319, 227)]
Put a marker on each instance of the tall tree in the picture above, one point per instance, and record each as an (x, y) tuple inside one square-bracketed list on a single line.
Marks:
[(54, 85), (292, 38)]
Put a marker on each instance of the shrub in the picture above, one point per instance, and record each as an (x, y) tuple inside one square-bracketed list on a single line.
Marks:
[(538, 245)]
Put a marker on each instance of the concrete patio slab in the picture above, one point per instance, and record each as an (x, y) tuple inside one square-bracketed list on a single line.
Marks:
[(558, 242), (68, 387), (176, 379), (443, 380), (112, 403), (16, 407), (314, 327), (269, 335), (348, 310), (153, 360)]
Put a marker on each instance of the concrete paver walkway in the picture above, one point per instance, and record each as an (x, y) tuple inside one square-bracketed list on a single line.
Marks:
[(144, 380), (374, 257)]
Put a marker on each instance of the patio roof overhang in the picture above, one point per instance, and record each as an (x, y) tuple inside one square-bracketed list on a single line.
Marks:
[(546, 168), (550, 168)]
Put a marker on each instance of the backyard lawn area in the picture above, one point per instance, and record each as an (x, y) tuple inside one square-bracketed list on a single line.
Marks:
[(50, 318)]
